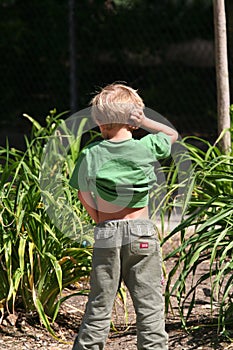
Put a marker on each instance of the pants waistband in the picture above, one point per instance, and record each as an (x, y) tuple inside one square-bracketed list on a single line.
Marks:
[(117, 222)]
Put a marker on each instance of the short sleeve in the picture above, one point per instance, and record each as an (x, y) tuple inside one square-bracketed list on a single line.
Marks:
[(79, 177), (160, 144)]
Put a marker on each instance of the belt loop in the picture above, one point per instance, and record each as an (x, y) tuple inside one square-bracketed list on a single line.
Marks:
[(127, 228)]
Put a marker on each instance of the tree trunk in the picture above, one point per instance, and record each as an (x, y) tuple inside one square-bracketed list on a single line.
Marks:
[(229, 19), (223, 92)]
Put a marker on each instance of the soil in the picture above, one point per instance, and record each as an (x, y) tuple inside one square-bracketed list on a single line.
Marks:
[(23, 331)]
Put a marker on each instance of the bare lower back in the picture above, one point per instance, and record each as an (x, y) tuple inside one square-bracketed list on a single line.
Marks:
[(109, 211)]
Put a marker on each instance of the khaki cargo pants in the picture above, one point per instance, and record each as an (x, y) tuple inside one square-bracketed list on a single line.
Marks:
[(128, 250)]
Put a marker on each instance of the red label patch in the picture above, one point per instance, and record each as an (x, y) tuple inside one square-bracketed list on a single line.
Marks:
[(144, 245)]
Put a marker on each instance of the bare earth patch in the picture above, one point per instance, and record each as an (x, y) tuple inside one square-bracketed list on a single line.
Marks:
[(24, 331)]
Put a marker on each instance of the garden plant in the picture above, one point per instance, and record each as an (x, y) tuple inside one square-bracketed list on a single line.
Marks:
[(206, 233), (37, 259)]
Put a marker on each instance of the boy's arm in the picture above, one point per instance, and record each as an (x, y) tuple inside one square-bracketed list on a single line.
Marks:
[(139, 119), (88, 202)]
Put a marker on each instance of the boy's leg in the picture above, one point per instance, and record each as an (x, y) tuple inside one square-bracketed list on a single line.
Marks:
[(104, 284), (142, 274)]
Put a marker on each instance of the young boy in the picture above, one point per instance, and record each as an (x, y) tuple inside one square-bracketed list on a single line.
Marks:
[(113, 178)]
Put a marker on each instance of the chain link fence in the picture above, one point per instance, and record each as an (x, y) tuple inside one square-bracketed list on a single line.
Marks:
[(55, 54)]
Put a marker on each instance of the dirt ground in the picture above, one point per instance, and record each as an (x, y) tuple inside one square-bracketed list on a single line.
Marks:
[(24, 331)]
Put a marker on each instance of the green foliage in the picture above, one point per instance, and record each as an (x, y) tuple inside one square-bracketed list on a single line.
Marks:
[(38, 259), (206, 234)]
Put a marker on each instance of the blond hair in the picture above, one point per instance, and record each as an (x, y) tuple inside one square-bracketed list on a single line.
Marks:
[(114, 104)]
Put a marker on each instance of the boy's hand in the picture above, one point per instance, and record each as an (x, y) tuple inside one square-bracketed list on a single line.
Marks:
[(136, 118)]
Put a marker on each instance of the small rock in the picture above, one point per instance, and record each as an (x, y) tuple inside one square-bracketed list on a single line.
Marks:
[(12, 319)]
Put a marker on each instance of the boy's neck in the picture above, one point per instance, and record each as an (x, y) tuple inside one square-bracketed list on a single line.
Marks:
[(117, 133)]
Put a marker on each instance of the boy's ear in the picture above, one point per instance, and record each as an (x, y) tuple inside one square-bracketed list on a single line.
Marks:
[(103, 126)]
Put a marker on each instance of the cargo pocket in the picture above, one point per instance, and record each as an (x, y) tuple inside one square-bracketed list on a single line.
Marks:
[(104, 237), (143, 239)]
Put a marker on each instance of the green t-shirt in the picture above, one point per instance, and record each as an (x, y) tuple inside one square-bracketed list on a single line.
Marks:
[(121, 172)]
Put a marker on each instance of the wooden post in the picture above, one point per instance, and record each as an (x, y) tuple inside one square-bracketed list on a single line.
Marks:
[(222, 75)]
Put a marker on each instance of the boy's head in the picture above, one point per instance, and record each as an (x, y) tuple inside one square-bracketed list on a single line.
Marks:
[(114, 104)]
